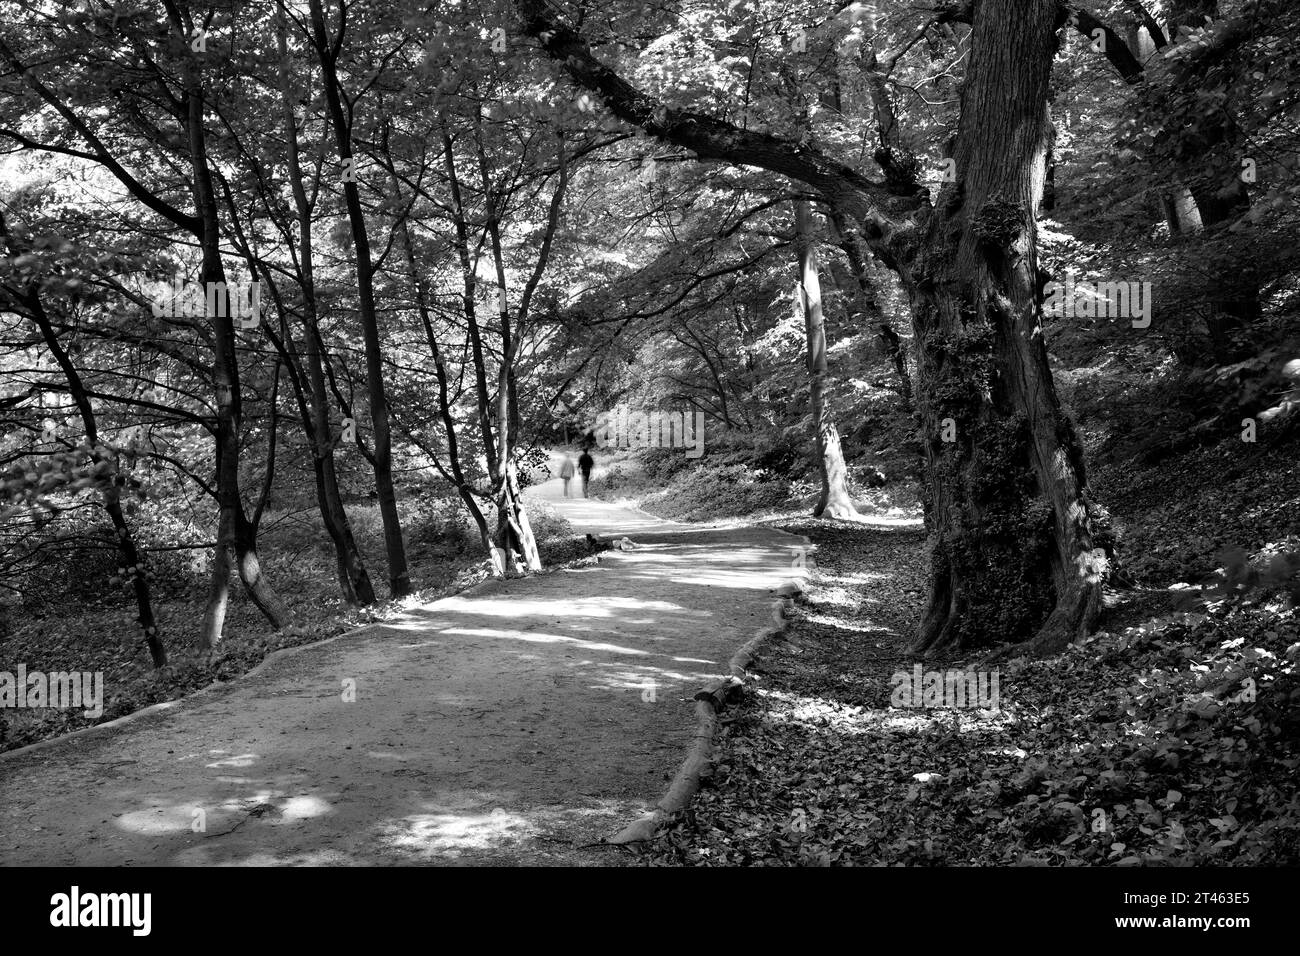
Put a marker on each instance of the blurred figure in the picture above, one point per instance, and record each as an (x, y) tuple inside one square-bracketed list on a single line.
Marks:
[(566, 472), (585, 464)]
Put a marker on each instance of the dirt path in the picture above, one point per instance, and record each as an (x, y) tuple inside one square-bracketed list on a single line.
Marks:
[(508, 725)]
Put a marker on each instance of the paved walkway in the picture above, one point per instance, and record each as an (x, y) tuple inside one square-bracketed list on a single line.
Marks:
[(508, 725)]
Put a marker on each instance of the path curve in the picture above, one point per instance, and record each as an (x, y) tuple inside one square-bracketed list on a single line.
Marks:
[(512, 724)]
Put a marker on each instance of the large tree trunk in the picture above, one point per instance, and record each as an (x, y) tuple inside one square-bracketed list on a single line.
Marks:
[(1013, 552), (835, 501), (1014, 556)]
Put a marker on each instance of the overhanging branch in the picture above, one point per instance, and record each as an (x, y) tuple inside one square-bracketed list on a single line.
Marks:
[(873, 203)]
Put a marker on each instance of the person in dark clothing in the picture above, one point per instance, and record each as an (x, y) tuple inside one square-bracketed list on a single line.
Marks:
[(585, 464)]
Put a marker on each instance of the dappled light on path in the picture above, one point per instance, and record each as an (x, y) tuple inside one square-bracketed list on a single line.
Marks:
[(512, 723)]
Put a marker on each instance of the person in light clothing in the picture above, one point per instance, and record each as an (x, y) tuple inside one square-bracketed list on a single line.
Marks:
[(566, 472)]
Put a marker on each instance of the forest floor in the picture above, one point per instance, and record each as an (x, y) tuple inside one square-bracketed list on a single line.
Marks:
[(1168, 738), (1141, 747), (518, 723)]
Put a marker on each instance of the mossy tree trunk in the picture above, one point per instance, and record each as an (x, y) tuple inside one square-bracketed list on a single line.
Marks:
[(1013, 551)]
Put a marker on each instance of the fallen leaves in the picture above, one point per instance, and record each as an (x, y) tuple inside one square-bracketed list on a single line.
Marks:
[(1139, 747)]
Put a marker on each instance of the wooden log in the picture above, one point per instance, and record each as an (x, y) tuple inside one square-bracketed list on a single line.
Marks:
[(709, 703)]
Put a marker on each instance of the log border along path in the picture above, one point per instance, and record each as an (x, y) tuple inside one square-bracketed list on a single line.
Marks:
[(520, 722)]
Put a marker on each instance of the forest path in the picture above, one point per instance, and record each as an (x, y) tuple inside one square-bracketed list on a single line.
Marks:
[(600, 518), (511, 724)]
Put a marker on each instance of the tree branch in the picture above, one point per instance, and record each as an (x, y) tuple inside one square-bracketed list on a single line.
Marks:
[(883, 211)]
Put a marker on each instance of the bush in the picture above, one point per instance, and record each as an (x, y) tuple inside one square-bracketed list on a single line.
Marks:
[(720, 492), (662, 464), (441, 524), (81, 565), (76, 558), (546, 524), (621, 477)]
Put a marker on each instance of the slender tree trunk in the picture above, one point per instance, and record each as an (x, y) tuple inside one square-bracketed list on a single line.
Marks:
[(247, 562), (225, 376), (514, 534), (218, 600), (1235, 299), (889, 339), (225, 369), (835, 501), (1181, 213), (482, 402), (469, 289), (133, 560), (440, 371), (354, 579), (399, 581), (249, 567)]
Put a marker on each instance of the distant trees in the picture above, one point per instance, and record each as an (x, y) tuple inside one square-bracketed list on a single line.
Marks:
[(351, 165)]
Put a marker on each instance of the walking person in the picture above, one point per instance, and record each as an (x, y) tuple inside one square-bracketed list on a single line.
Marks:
[(585, 464), (566, 472)]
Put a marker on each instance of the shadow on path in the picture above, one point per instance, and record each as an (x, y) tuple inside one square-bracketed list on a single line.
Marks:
[(507, 725)]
